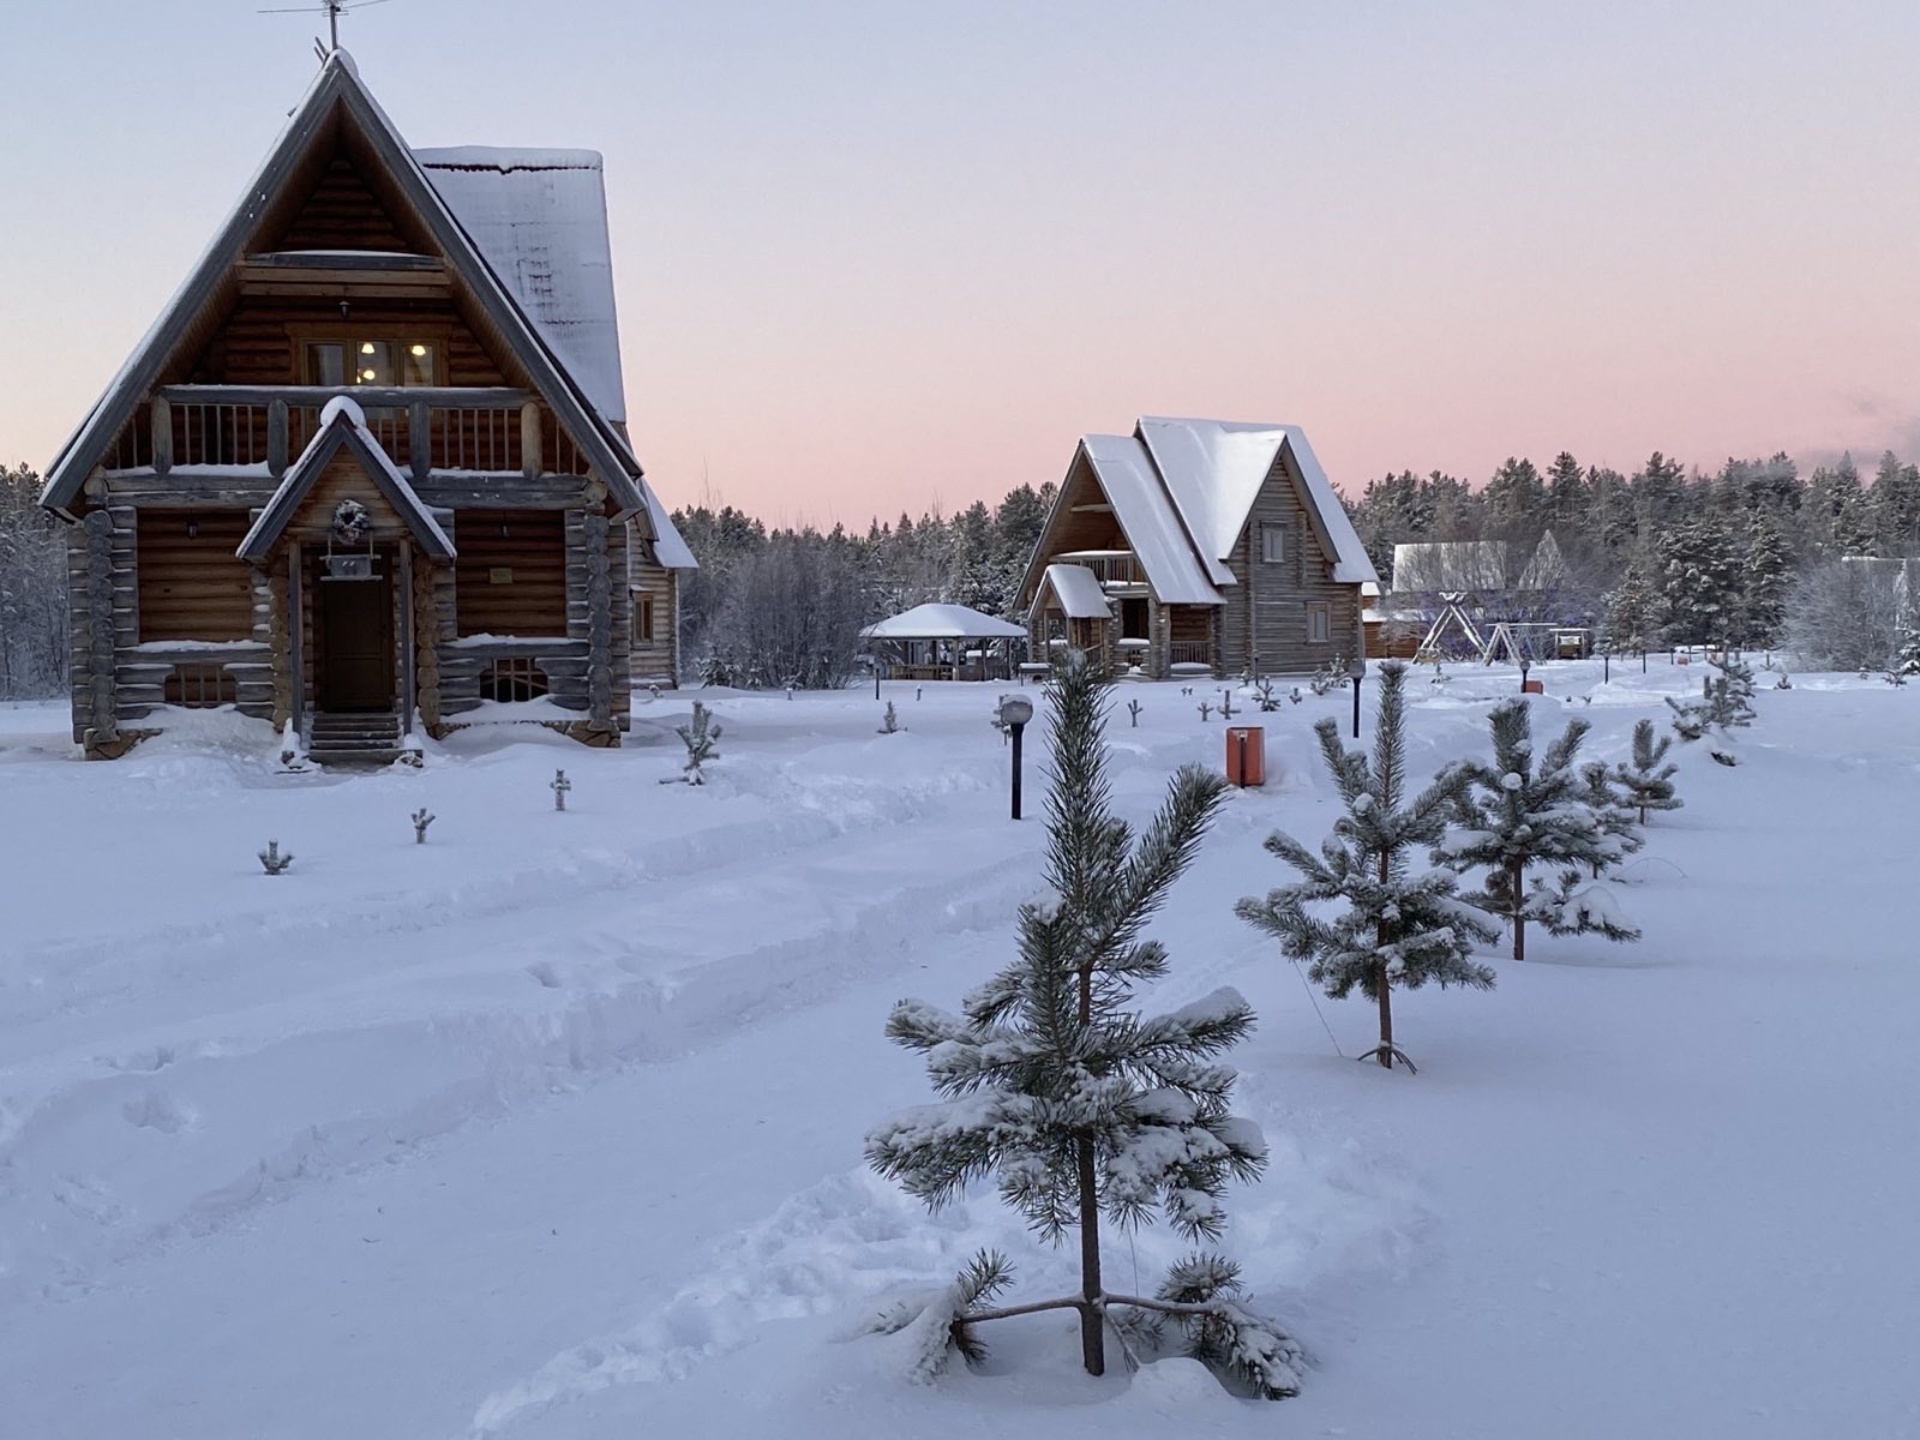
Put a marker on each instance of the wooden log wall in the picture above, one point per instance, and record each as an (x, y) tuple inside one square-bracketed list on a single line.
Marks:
[(657, 659), (189, 585), (96, 719), (427, 621), (1266, 614), (530, 546), (344, 214), (596, 556)]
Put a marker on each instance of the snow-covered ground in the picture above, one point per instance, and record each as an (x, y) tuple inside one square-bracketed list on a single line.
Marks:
[(551, 1127)]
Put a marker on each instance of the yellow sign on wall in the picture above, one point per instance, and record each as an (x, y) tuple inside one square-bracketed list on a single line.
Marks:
[(500, 575)]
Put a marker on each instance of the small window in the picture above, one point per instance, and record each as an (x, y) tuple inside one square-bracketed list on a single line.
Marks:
[(200, 687), (517, 678), (643, 619), (1273, 544), (1319, 624)]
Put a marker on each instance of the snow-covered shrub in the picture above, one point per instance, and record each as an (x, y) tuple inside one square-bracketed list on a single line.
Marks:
[(1400, 927), (700, 735)]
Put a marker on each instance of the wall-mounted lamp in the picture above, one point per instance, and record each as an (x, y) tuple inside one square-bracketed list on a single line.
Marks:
[(193, 528), (503, 531)]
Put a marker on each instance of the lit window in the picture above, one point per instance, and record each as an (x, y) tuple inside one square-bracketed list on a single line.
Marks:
[(1319, 624), (1273, 543), (374, 362)]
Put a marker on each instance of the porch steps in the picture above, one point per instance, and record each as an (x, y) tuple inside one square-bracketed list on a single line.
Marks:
[(354, 740)]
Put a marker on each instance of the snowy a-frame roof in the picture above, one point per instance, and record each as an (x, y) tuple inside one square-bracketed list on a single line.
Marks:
[(1078, 590), (343, 426), (943, 622), (1147, 518), (1182, 492), (1214, 471), (337, 94)]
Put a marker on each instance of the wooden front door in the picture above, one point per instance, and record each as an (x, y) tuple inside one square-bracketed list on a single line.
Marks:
[(354, 621)]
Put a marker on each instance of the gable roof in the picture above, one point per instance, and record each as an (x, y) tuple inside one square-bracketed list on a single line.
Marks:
[(1182, 492), (343, 426), (338, 90), (1148, 519), (1214, 470), (1079, 591), (669, 549)]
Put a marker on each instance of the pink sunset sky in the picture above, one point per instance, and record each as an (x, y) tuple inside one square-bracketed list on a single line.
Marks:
[(874, 257)]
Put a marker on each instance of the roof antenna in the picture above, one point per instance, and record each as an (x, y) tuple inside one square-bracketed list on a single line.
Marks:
[(334, 9)]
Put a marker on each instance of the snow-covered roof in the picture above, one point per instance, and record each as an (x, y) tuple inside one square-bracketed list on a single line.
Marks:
[(1148, 519), (943, 622), (668, 547), (540, 219), (1214, 470), (343, 426), (1079, 592), (338, 89)]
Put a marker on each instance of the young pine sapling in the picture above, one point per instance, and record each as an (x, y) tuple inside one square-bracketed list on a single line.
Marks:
[(1082, 1108), (560, 785), (889, 722), (272, 861), (1515, 817), (1401, 927), (1645, 782), (421, 820), (1133, 709)]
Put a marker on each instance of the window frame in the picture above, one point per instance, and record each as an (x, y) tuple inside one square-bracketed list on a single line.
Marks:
[(1273, 537), (1319, 612), (644, 618), (434, 334)]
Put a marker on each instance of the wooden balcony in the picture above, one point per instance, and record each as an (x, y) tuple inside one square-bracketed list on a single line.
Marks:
[(239, 434), (1118, 571)]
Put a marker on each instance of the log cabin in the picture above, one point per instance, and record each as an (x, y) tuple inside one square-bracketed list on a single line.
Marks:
[(1198, 547), (369, 472)]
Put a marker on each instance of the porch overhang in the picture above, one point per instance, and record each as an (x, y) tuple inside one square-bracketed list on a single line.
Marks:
[(343, 428)]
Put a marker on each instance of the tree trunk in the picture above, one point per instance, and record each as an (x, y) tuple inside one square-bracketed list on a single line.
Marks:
[(1093, 1337), (1386, 1019), (1516, 875)]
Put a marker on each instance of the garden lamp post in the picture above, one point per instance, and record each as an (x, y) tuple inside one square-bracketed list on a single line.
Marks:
[(1357, 672), (1015, 712)]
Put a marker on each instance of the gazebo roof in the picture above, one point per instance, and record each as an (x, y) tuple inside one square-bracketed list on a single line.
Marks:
[(943, 622)]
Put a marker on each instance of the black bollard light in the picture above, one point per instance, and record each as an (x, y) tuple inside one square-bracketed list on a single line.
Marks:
[(1015, 712), (1358, 673), (1525, 665)]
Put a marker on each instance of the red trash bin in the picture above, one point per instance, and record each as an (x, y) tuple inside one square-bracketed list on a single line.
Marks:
[(1246, 755)]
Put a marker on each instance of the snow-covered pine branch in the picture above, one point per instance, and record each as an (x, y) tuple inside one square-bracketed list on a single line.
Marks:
[(1400, 927), (1050, 1081), (1614, 813)]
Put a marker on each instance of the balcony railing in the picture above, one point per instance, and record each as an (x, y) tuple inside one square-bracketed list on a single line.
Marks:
[(230, 427), (1190, 652), (1114, 569)]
